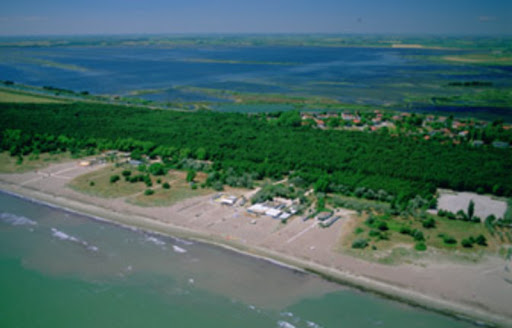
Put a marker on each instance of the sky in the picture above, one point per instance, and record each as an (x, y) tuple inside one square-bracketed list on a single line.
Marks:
[(66, 17)]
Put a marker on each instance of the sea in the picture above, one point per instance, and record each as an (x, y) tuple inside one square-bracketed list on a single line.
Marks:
[(62, 269)]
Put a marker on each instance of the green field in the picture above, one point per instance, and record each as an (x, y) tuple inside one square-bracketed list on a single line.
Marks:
[(12, 96)]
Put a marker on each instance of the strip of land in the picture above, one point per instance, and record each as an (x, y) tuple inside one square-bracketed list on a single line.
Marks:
[(480, 291)]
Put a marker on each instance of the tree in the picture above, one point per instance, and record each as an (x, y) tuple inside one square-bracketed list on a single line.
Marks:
[(201, 153), (289, 118), (166, 185), (191, 175), (471, 209), (320, 203), (114, 178), (322, 184), (157, 169)]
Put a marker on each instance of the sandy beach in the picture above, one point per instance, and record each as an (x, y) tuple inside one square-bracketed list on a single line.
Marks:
[(481, 291)]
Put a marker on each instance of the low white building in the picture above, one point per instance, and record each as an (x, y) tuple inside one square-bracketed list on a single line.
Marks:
[(272, 212)]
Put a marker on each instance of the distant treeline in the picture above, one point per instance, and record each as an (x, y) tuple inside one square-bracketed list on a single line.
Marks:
[(331, 160), (471, 84)]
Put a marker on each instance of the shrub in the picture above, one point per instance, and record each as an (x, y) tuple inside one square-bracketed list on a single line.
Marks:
[(126, 173), (480, 240), (383, 226), (420, 246), (149, 192), (358, 230), (418, 235), (466, 243), (405, 230), (191, 175), (91, 183), (360, 243), (370, 221), (429, 223), (166, 185), (147, 180), (450, 216), (373, 233), (449, 240), (218, 186), (114, 178)]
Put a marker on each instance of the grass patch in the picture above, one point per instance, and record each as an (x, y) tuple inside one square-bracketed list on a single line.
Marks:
[(396, 244), (101, 185), (11, 96), (179, 189), (9, 164)]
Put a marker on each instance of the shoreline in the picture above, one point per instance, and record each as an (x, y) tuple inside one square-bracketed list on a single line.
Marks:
[(387, 290)]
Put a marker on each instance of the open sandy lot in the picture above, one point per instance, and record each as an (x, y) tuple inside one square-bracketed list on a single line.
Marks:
[(484, 205)]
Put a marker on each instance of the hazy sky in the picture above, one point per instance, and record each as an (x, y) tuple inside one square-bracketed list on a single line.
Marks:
[(33, 17)]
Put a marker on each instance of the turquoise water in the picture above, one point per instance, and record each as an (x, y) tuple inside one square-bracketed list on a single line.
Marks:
[(59, 269)]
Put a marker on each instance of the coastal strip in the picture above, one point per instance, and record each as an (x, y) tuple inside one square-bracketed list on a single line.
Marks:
[(462, 311)]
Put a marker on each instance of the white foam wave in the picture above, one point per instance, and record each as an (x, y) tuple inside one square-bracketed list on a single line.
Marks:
[(284, 324), (183, 241), (286, 314), (178, 249), (16, 220), (155, 241), (64, 236), (312, 324)]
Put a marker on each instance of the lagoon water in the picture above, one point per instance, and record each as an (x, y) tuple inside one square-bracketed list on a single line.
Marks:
[(361, 75), (60, 269)]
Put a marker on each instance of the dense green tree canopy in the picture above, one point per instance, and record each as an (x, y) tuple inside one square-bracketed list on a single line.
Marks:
[(401, 166)]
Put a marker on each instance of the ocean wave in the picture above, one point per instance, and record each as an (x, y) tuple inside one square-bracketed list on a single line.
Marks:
[(16, 220), (284, 324), (178, 249), (183, 241), (64, 236), (312, 324), (155, 241)]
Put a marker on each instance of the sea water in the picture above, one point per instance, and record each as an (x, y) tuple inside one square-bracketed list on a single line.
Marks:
[(60, 269)]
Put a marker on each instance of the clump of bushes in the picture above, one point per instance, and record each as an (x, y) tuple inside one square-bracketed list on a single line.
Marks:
[(429, 223), (114, 178), (420, 246), (469, 242), (447, 239), (166, 185), (360, 244), (149, 192)]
